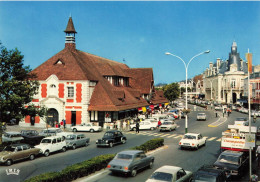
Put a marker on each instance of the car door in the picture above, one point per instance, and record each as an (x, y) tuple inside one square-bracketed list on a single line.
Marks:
[(181, 176), (26, 151), (59, 143), (141, 127), (117, 137), (17, 154), (54, 145), (144, 160), (137, 162), (79, 141)]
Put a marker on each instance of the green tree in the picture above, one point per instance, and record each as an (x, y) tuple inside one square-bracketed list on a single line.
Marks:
[(17, 87), (171, 91)]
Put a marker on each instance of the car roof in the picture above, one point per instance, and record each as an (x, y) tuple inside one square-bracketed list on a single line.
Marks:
[(210, 170), (130, 152), (168, 169), (112, 131), (52, 137), (18, 144), (195, 134), (12, 132)]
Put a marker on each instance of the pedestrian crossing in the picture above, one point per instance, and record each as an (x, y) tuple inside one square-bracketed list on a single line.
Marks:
[(170, 135)]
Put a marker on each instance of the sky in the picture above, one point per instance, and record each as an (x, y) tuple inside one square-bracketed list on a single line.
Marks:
[(137, 33)]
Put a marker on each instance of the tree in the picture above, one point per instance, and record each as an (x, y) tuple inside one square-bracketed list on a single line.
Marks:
[(17, 87), (171, 91)]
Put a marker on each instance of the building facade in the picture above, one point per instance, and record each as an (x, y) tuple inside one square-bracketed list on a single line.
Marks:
[(81, 87)]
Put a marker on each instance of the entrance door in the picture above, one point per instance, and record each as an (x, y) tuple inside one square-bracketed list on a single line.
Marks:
[(73, 118), (234, 97), (52, 116)]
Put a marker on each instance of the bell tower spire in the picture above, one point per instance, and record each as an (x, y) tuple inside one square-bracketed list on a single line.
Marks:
[(70, 35)]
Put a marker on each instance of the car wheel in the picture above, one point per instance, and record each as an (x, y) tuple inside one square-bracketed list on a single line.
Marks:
[(91, 130), (181, 148), (123, 141), (64, 149), (46, 153), (87, 144), (32, 157), (151, 165), (205, 143), (111, 144), (133, 173), (197, 148), (134, 129), (74, 130), (74, 147), (9, 162), (152, 128)]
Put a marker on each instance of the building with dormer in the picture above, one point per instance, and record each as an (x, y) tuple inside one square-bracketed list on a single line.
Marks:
[(81, 87)]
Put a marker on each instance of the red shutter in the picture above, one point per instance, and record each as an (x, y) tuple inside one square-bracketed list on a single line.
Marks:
[(44, 90), (61, 90), (27, 119), (78, 92), (37, 119), (68, 117), (78, 117)]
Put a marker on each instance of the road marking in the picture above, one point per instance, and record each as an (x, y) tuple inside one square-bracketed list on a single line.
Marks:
[(219, 140), (212, 138), (179, 136), (218, 122), (171, 136)]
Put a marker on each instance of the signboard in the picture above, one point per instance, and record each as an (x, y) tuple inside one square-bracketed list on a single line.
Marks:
[(249, 141)]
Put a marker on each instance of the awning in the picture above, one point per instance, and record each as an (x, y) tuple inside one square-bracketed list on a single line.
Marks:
[(140, 109), (166, 104), (144, 109), (152, 107)]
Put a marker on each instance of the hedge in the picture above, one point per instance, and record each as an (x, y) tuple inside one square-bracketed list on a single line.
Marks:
[(90, 166)]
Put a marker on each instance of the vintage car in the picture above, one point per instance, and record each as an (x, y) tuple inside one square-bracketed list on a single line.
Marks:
[(86, 127), (76, 140), (145, 125), (12, 137), (31, 137), (192, 140), (15, 152), (201, 116), (54, 132), (171, 174), (235, 163), (130, 161), (52, 144), (209, 173), (167, 125), (111, 138)]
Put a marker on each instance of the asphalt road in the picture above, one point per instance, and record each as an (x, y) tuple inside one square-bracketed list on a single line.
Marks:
[(172, 155)]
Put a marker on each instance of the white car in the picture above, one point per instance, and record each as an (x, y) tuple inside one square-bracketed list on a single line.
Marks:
[(201, 116), (86, 127), (51, 144), (171, 174), (55, 132), (167, 125), (192, 140), (218, 108), (145, 125)]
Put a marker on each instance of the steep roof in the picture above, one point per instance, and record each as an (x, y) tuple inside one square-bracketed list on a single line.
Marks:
[(158, 97), (70, 27)]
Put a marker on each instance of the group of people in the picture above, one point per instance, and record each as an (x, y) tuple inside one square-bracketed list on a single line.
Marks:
[(61, 125)]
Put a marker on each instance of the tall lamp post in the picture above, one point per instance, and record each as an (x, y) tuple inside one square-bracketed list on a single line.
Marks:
[(186, 86)]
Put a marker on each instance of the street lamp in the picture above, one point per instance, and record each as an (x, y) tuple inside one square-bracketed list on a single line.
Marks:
[(186, 86)]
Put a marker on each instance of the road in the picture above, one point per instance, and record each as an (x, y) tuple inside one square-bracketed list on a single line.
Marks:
[(172, 155)]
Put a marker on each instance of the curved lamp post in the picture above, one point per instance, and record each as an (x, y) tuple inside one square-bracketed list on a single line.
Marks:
[(186, 69)]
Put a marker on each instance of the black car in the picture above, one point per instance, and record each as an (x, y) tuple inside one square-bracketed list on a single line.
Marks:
[(31, 137), (234, 163), (209, 173), (111, 138)]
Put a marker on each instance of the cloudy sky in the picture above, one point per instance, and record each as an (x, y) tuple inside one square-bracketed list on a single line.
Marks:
[(139, 32)]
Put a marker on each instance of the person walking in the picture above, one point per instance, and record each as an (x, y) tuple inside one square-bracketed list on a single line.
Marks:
[(137, 127), (61, 124), (124, 125), (64, 122), (258, 155), (254, 118)]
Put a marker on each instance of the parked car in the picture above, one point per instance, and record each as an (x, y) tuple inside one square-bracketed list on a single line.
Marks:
[(86, 127), (54, 132), (31, 137), (234, 163), (15, 152), (201, 116), (192, 140), (167, 125), (241, 121), (130, 161), (170, 174), (145, 125), (209, 173), (218, 107), (12, 137), (76, 140), (51, 144), (111, 138)]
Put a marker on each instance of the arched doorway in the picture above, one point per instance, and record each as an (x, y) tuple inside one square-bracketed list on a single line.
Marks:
[(234, 97), (52, 116)]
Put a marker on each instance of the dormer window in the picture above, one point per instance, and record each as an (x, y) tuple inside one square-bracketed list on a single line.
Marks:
[(116, 81), (59, 61), (126, 82)]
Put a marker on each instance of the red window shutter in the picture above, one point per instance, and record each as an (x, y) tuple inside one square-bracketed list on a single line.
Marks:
[(78, 92), (68, 117), (44, 90), (27, 119), (78, 117), (37, 119), (61, 90)]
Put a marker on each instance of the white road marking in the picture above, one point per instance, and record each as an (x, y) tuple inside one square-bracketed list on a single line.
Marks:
[(212, 138)]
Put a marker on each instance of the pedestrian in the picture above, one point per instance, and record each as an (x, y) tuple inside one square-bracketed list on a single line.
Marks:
[(124, 125), (159, 123), (258, 155), (254, 177), (254, 118), (64, 123), (61, 124), (216, 113), (137, 127), (56, 124)]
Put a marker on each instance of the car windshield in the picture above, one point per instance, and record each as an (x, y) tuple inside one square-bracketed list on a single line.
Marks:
[(201, 114), (124, 156), (9, 149), (46, 141), (204, 177), (240, 119), (161, 176), (108, 134), (70, 137), (228, 159), (189, 137), (167, 123)]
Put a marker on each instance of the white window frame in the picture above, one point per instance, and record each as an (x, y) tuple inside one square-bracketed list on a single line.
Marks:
[(70, 92)]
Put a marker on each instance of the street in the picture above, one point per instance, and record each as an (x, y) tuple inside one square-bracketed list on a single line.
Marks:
[(171, 154)]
